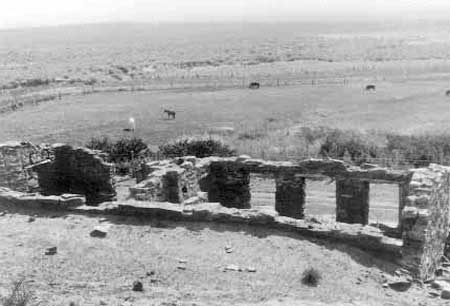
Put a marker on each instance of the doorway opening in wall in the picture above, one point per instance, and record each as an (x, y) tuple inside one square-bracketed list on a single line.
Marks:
[(262, 190), (384, 205), (320, 199)]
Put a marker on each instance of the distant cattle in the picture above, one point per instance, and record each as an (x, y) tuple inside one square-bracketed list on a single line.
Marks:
[(447, 93), (170, 114), (370, 87), (254, 85)]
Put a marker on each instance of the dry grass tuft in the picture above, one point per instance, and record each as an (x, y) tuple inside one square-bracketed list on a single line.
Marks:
[(20, 296)]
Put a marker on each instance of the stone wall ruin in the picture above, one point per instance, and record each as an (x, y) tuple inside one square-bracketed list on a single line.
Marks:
[(423, 198), (76, 171), (187, 182), (15, 160)]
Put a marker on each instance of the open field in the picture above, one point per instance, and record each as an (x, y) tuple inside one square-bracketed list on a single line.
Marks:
[(94, 271), (402, 107)]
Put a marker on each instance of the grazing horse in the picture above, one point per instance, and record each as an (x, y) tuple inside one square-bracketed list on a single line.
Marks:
[(370, 87), (170, 114), (254, 85), (447, 93)]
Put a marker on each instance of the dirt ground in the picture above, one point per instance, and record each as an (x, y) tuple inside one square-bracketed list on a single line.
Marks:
[(101, 271)]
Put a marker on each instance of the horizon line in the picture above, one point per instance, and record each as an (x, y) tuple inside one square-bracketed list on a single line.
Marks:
[(339, 19)]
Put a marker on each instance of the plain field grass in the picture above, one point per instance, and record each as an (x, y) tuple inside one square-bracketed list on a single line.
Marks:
[(88, 270), (270, 113)]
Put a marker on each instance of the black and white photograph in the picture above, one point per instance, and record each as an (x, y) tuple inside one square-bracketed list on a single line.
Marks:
[(224, 152)]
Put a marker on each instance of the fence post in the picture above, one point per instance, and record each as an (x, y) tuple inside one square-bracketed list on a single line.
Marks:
[(132, 164)]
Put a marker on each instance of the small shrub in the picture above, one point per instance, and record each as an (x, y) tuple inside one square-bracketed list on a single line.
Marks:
[(19, 296), (34, 82), (251, 135), (126, 149), (420, 150), (339, 143), (199, 147), (90, 81), (123, 69), (102, 144), (311, 277), (121, 152)]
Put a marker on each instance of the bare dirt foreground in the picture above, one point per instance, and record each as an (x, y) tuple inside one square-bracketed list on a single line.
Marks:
[(183, 264)]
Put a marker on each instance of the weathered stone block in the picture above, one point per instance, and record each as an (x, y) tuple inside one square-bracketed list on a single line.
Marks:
[(170, 183), (229, 184), (426, 222)]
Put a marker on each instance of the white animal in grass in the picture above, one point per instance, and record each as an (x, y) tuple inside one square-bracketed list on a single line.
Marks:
[(131, 124)]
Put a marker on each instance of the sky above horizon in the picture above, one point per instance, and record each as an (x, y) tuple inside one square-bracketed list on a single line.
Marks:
[(30, 13)]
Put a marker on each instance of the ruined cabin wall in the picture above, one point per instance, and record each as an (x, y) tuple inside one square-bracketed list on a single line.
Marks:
[(423, 195), (15, 158), (173, 182), (77, 170)]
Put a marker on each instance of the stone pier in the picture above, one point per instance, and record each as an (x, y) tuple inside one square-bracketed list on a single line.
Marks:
[(229, 184)]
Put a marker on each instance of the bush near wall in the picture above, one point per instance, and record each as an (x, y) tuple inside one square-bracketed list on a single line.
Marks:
[(349, 145), (121, 152), (199, 147)]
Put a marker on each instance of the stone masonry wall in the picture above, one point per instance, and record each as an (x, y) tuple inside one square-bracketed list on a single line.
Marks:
[(77, 170), (15, 158), (229, 184), (425, 219), (168, 182), (423, 195)]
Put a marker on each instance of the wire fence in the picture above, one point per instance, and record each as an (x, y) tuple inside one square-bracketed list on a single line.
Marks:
[(14, 99)]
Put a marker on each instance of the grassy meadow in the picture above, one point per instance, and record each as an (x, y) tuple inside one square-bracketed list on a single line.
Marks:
[(266, 122)]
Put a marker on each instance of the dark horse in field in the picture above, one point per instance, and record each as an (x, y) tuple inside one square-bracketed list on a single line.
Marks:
[(254, 85), (370, 87), (170, 114)]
